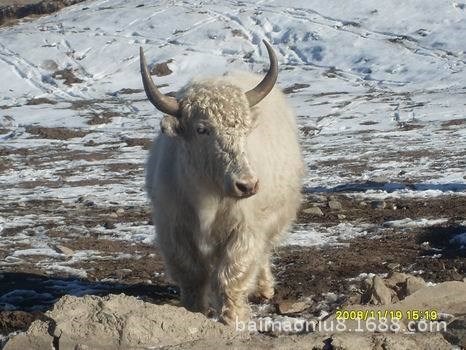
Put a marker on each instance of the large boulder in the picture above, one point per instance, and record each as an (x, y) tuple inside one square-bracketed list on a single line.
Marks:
[(117, 322)]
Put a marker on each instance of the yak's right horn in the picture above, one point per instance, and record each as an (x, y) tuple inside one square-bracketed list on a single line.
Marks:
[(165, 104)]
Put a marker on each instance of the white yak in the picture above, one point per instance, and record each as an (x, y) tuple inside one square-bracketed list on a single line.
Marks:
[(224, 178)]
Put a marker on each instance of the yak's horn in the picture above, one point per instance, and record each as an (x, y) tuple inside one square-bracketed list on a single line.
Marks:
[(165, 104), (255, 95)]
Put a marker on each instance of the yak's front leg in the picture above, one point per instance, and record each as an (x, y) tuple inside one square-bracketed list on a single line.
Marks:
[(235, 276), (189, 271), (265, 282)]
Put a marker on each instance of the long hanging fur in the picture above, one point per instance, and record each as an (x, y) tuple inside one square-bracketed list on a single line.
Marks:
[(217, 247)]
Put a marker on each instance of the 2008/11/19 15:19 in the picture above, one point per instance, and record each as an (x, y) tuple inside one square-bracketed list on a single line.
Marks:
[(411, 315)]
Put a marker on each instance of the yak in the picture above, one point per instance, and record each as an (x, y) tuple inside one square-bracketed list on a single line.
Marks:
[(224, 178)]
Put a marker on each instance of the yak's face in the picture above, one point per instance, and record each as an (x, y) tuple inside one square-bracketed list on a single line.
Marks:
[(213, 127), (212, 121)]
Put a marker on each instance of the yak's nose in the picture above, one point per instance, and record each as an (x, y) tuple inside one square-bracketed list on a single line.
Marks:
[(246, 187)]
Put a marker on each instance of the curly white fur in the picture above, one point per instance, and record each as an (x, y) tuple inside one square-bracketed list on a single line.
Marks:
[(217, 247)]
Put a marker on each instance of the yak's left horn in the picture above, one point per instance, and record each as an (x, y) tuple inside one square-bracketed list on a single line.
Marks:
[(163, 103), (256, 95)]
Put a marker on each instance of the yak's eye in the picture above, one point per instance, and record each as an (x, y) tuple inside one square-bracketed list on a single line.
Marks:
[(202, 130)]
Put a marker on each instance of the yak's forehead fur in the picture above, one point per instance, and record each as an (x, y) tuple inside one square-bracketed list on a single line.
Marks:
[(218, 103)]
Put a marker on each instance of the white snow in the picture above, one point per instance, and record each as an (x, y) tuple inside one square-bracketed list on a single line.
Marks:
[(409, 223), (320, 235), (37, 251)]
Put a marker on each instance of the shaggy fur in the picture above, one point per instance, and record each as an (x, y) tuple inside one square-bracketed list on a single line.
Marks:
[(216, 246)]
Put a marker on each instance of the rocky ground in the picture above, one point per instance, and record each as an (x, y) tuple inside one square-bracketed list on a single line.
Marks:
[(123, 322), (312, 282)]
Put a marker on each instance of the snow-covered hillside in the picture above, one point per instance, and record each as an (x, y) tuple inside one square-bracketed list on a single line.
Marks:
[(378, 86)]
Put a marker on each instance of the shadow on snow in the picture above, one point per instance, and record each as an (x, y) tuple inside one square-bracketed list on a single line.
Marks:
[(33, 292)]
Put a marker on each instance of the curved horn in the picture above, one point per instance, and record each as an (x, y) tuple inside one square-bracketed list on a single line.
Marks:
[(165, 104), (255, 95)]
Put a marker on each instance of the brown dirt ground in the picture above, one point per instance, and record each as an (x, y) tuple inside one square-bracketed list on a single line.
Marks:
[(300, 271), (12, 10)]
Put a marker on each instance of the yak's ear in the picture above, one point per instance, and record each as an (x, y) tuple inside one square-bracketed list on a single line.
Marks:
[(170, 125)]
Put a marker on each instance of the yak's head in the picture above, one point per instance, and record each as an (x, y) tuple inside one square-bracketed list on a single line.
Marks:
[(212, 120)]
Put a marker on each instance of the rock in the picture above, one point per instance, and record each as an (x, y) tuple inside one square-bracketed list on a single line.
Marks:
[(122, 273), (362, 204), (327, 340), (393, 266), (120, 211), (395, 278), (161, 69), (334, 205), (447, 297), (117, 322), (456, 332), (455, 275), (89, 203), (380, 179), (64, 250), (11, 321), (318, 198), (341, 216), (413, 284), (393, 206), (379, 293), (348, 341), (293, 307), (378, 204), (124, 322), (109, 225), (35, 338), (315, 211)]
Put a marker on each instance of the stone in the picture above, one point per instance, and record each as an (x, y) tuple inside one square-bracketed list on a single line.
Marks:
[(109, 225), (379, 293), (378, 205), (446, 297), (161, 69), (35, 338), (395, 278), (315, 211), (456, 332), (64, 250), (413, 284), (120, 322), (293, 307), (393, 266), (334, 205)]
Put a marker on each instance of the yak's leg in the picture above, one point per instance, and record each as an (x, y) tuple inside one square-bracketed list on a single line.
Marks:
[(190, 273), (265, 282), (236, 276)]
